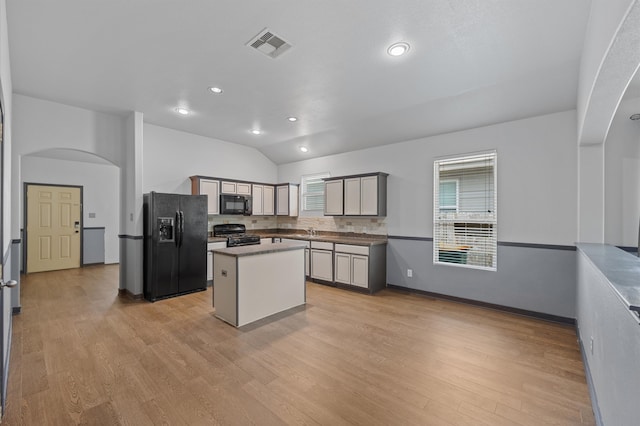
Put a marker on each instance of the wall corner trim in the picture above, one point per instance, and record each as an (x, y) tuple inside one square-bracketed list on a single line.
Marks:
[(131, 237), (123, 292), (592, 390)]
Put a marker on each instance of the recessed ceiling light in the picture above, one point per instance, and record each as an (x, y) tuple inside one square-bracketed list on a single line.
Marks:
[(182, 111), (398, 49), (292, 119), (256, 132), (304, 149), (635, 117), (215, 90)]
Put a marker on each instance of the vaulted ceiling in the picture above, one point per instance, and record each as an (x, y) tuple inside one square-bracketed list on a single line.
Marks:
[(470, 63)]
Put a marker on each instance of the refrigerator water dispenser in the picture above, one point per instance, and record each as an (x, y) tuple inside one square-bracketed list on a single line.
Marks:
[(165, 229)]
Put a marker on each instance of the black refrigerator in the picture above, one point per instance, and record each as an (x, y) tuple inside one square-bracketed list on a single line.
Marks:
[(175, 244)]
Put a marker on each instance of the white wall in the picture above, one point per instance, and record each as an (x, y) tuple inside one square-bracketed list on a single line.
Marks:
[(6, 90), (171, 156), (604, 20), (7, 104), (537, 184), (101, 189), (622, 177), (39, 125)]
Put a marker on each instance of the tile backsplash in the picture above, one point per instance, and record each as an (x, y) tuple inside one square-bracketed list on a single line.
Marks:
[(251, 222), (360, 225)]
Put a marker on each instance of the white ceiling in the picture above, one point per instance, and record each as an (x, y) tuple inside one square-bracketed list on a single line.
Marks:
[(471, 63)]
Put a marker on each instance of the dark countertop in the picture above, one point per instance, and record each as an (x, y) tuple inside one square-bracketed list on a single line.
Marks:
[(256, 249), (216, 240), (329, 237), (620, 268), (337, 238)]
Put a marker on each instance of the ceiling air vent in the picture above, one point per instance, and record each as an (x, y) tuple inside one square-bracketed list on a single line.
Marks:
[(269, 44)]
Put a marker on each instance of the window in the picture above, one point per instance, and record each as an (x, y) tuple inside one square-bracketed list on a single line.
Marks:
[(312, 199), (449, 195), (464, 213)]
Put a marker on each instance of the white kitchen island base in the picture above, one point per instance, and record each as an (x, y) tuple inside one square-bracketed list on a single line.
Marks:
[(254, 282)]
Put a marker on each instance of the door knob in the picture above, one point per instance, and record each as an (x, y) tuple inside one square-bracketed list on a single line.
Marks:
[(10, 284)]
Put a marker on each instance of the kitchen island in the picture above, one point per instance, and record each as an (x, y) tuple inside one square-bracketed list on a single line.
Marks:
[(256, 281)]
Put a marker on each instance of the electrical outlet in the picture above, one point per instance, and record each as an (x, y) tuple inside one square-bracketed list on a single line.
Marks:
[(409, 273), (591, 345)]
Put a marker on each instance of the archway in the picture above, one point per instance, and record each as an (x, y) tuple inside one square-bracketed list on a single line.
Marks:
[(100, 180)]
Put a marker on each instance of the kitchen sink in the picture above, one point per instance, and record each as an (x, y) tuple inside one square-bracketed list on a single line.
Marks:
[(304, 236)]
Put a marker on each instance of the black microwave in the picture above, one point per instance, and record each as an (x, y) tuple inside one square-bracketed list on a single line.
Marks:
[(235, 204)]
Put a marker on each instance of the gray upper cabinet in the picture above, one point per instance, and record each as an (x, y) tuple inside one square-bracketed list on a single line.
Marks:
[(287, 200), (334, 197), (263, 200), (209, 187), (239, 188), (358, 195), (352, 196), (370, 195)]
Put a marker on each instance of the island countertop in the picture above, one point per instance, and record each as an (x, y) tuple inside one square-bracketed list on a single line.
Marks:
[(620, 268), (256, 249)]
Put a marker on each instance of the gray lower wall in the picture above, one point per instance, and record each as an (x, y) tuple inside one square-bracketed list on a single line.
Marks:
[(131, 264), (16, 263), (93, 248), (539, 279), (92, 245), (6, 300), (614, 362)]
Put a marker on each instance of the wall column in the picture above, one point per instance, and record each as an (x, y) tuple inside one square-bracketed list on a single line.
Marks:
[(131, 220), (610, 59), (591, 193)]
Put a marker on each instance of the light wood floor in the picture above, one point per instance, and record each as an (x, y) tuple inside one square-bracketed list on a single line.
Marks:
[(81, 354)]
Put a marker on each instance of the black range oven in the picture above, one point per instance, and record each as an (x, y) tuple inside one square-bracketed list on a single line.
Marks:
[(235, 234)]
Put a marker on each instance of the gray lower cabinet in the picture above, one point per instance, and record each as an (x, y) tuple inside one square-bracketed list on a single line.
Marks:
[(346, 265), (361, 266), (322, 260), (307, 253), (307, 262)]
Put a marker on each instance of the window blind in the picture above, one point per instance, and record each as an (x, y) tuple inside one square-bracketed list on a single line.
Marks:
[(464, 214), (313, 192)]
